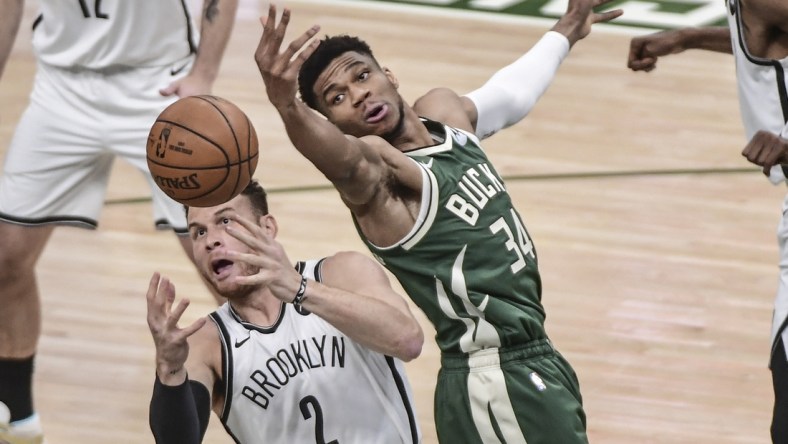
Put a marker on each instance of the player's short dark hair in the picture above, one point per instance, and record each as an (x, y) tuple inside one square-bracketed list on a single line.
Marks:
[(256, 195), (329, 49)]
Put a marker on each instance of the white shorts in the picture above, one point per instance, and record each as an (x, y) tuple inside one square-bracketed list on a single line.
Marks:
[(780, 316), (57, 166)]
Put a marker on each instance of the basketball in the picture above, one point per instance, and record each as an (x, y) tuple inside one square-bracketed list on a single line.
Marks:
[(202, 151)]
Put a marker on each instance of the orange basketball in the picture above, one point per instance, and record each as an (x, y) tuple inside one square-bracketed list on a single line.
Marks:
[(202, 151)]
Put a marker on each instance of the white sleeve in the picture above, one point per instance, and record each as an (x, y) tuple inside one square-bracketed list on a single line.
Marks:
[(512, 91)]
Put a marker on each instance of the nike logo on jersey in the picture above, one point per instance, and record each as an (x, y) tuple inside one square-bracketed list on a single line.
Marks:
[(459, 137), (175, 71), (240, 343)]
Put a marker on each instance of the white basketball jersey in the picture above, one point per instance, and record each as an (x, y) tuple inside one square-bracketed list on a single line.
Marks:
[(303, 381), (763, 87), (97, 34)]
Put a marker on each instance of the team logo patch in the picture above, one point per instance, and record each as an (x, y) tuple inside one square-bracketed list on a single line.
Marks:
[(537, 381)]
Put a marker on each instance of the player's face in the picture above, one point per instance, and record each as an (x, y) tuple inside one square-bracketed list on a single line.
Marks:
[(360, 97), (211, 242)]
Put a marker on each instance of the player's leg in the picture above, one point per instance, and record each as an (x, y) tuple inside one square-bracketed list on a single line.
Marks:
[(20, 328), (51, 175), (524, 395), (779, 368), (20, 314)]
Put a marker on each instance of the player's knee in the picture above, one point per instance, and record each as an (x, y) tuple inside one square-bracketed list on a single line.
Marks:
[(22, 247)]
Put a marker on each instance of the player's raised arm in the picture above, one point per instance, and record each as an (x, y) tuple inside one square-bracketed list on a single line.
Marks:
[(354, 294), (352, 164), (181, 401), (9, 26), (510, 94)]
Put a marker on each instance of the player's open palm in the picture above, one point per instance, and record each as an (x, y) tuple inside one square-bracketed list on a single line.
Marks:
[(273, 268), (576, 23), (172, 347), (278, 67)]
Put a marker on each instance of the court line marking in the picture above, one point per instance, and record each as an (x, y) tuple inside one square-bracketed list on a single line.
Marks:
[(512, 178)]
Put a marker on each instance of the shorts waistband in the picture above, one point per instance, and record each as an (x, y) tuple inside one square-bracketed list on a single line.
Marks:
[(496, 356)]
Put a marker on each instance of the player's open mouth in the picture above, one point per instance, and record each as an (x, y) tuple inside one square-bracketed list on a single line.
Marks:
[(376, 113), (221, 267)]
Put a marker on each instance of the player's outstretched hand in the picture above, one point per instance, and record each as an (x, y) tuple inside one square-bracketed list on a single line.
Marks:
[(645, 50), (576, 23), (766, 149), (280, 68), (172, 347), (268, 257)]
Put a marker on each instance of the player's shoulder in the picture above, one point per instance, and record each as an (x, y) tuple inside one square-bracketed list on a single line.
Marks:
[(446, 106), (206, 336), (346, 259), (773, 13), (344, 265), (435, 99)]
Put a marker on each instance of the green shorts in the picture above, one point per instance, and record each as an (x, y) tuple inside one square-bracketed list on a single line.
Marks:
[(524, 394)]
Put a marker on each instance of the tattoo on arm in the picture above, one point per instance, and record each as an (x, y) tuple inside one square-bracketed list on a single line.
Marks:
[(211, 10)]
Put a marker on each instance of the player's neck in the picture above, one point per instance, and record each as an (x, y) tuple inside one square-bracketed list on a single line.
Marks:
[(413, 134), (261, 308)]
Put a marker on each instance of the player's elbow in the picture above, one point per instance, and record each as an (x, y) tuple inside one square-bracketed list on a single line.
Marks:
[(410, 343)]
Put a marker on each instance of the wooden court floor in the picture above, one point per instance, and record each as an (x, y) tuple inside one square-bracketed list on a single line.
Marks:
[(655, 238)]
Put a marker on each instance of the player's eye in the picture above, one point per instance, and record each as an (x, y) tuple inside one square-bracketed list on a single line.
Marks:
[(363, 75), (337, 99), (226, 221)]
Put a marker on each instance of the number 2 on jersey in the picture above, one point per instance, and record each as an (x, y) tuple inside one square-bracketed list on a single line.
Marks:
[(96, 9), (522, 247), (304, 405)]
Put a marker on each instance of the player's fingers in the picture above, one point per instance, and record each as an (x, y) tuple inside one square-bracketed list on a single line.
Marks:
[(277, 34), (153, 287), (267, 48), (635, 50), (172, 320), (196, 325), (269, 24), (289, 63), (255, 260), (607, 16), (155, 304), (768, 156), (643, 64), (256, 241), (170, 89), (255, 279), (246, 223), (167, 290), (752, 151), (298, 62)]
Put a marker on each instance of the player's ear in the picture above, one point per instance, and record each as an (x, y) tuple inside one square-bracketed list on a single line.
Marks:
[(391, 77), (268, 222)]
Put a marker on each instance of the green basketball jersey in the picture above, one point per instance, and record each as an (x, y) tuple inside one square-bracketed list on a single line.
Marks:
[(468, 262)]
